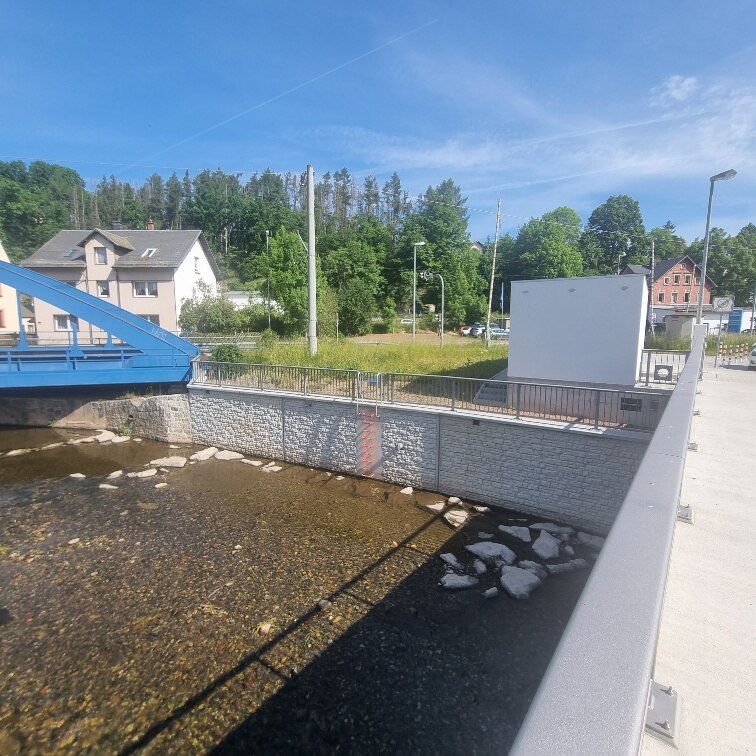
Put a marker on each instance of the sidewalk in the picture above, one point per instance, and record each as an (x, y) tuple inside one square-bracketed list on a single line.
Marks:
[(707, 643)]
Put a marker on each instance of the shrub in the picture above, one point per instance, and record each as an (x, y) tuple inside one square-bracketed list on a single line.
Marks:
[(227, 353)]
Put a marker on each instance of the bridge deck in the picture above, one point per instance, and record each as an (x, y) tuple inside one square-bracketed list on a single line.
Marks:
[(707, 644)]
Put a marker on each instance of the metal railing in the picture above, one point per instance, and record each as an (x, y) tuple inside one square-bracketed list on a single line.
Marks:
[(660, 366), (597, 407), (594, 694)]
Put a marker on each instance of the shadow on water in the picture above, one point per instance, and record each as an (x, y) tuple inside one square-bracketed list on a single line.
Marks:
[(421, 671)]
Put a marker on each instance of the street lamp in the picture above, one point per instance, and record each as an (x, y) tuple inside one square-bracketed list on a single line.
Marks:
[(724, 176), (414, 286), (427, 275)]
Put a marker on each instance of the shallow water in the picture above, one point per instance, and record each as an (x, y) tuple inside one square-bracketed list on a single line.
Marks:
[(185, 619)]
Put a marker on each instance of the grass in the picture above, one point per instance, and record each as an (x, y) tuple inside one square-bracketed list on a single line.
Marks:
[(468, 358), (728, 340)]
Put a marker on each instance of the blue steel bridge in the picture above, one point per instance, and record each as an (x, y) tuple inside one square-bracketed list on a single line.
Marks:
[(132, 350)]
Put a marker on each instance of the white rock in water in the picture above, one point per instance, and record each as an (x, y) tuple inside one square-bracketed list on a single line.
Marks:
[(174, 446), (517, 531), (489, 551), (169, 462), (480, 509), (105, 436), (452, 561), (485, 536), (535, 567), (115, 474), (254, 462), (454, 500), (456, 582), (408, 491), (228, 455), (439, 506), (479, 567), (553, 528), (518, 583), (161, 485), (86, 440), (586, 539), (142, 473), (571, 566), (17, 452), (272, 468), (120, 439), (457, 517), (201, 456), (108, 487), (339, 477), (78, 476), (546, 546), (52, 446), (491, 593)]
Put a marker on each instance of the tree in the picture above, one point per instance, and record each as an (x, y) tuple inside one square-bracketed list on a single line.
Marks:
[(615, 235), (208, 315), (667, 244), (541, 251)]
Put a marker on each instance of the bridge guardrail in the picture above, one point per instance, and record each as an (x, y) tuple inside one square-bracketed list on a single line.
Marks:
[(594, 694), (661, 366), (635, 409)]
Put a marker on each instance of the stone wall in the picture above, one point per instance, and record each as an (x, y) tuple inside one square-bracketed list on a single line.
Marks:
[(162, 418), (566, 474)]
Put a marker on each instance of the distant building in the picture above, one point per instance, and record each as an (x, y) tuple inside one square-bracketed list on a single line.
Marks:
[(147, 272), (242, 299), (8, 306), (676, 282), (476, 246)]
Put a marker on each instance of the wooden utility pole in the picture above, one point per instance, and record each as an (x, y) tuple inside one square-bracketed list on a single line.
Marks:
[(312, 321), (493, 268)]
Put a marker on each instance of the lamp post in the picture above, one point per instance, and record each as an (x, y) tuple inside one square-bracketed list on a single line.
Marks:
[(414, 286), (427, 276), (724, 176)]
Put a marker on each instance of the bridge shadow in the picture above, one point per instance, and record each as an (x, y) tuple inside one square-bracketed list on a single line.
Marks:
[(420, 670)]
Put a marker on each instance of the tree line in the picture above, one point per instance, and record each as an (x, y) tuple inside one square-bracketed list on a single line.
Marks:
[(364, 239)]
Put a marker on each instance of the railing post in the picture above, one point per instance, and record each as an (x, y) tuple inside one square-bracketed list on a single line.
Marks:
[(304, 381), (518, 393), (648, 368), (391, 394), (597, 407), (354, 387), (454, 395)]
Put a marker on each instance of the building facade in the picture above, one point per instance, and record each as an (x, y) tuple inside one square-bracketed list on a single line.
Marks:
[(8, 306), (676, 283), (147, 272)]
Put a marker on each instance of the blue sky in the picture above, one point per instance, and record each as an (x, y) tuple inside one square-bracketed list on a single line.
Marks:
[(540, 103)]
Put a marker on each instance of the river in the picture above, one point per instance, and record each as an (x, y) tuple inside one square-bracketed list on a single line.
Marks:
[(235, 610)]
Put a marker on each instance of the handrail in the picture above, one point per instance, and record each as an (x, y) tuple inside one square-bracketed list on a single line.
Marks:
[(594, 694)]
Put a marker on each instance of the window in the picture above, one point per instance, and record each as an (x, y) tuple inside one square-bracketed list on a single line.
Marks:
[(674, 297), (687, 279), (103, 288), (2, 319), (154, 319), (686, 296), (676, 278), (196, 265), (661, 296), (145, 288), (65, 322), (71, 253), (101, 256), (149, 252)]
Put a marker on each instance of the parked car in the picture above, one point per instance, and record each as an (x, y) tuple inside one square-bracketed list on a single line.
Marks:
[(465, 330), (499, 333), (477, 329), (752, 358)]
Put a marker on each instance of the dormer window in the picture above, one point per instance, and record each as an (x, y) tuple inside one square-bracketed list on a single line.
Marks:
[(149, 252), (71, 253), (101, 256)]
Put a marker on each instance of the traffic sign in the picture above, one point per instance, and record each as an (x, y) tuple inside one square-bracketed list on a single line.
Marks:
[(722, 304)]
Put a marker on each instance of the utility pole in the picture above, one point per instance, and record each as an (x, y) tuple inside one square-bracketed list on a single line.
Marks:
[(267, 265), (651, 294), (493, 268), (312, 321)]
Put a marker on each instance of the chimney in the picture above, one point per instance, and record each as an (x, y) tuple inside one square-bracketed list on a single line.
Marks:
[(150, 225), (117, 225)]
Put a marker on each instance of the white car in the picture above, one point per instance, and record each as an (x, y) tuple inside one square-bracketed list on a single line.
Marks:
[(752, 358)]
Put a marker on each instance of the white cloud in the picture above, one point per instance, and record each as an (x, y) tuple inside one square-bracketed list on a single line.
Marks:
[(673, 90)]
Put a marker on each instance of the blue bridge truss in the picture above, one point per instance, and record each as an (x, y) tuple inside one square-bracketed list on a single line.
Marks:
[(133, 349)]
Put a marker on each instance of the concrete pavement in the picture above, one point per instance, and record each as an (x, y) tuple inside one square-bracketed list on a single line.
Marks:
[(707, 643)]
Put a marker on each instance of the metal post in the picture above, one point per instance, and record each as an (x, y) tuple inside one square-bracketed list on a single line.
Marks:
[(267, 264), (442, 308), (312, 323), (22, 343), (648, 368), (517, 400), (415, 245), (719, 341), (597, 408), (493, 269)]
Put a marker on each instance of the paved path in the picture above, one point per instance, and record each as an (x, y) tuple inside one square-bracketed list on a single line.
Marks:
[(707, 645)]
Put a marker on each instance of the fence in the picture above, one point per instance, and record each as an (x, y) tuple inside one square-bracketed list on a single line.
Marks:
[(594, 695), (598, 407), (661, 366)]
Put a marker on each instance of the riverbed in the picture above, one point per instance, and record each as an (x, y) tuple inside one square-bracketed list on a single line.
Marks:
[(232, 609)]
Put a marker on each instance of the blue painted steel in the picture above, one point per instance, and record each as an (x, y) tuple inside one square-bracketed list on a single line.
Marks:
[(735, 322), (148, 354)]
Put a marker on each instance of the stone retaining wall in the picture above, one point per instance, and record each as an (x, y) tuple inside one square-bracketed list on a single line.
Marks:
[(569, 475)]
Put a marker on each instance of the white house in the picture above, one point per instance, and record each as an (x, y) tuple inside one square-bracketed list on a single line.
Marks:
[(8, 306), (147, 272)]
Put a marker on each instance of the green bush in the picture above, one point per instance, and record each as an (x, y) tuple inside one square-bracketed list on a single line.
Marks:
[(227, 353)]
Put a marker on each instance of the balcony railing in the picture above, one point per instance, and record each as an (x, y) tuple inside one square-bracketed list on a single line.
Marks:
[(635, 409)]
